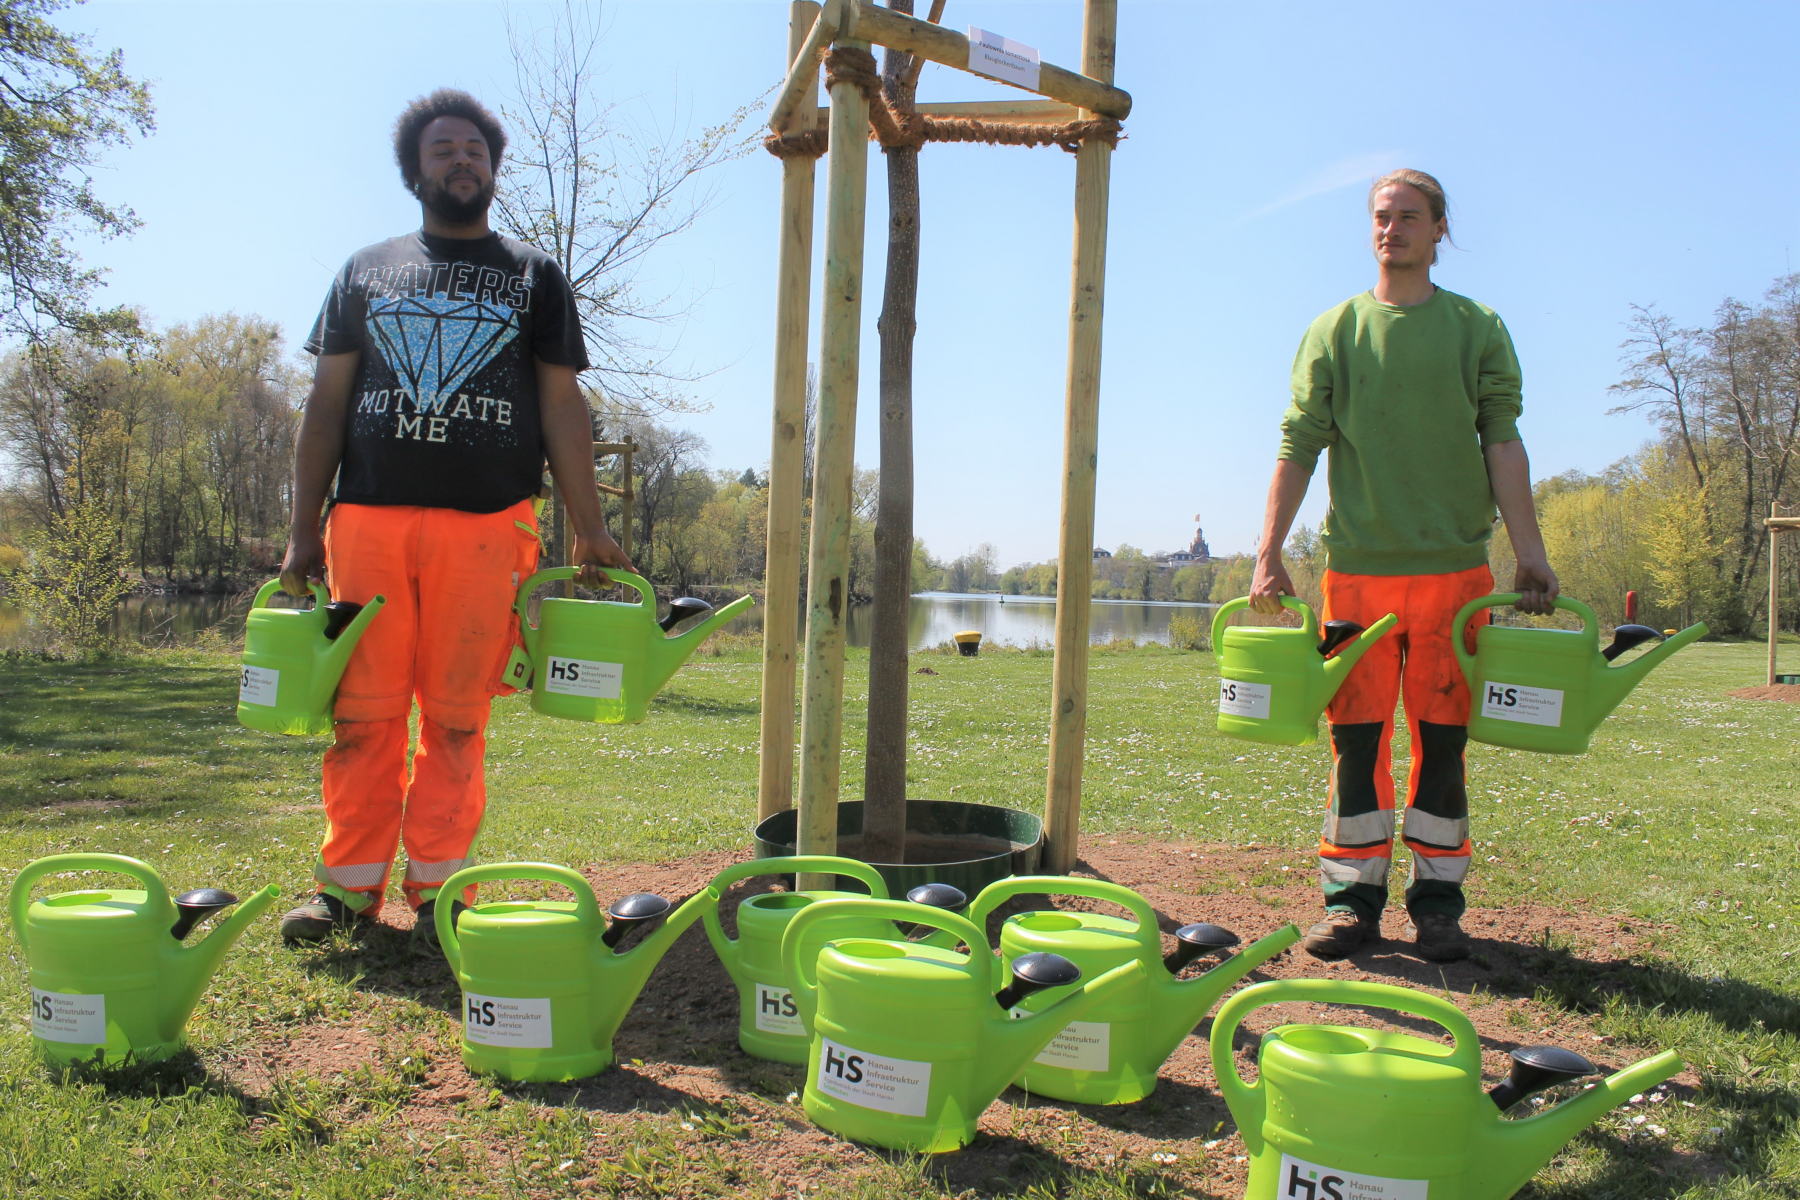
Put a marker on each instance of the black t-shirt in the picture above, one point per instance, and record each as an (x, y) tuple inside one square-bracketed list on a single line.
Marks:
[(444, 409)]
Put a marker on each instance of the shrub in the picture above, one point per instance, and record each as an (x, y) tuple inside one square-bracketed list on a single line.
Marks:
[(1188, 632), (71, 577)]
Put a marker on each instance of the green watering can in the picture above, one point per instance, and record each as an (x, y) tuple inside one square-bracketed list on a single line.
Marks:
[(600, 660), (293, 659), (544, 985), (1549, 689), (1342, 1113), (769, 1023), (110, 977), (910, 1043), (1274, 682), (1112, 1056)]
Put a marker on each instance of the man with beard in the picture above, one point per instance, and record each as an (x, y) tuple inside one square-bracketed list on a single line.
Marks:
[(446, 376)]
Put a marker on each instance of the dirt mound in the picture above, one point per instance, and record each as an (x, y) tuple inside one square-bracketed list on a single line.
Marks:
[(1789, 692), (677, 1050)]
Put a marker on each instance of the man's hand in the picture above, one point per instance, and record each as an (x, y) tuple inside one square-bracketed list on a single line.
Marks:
[(305, 562), (591, 554), (1269, 585), (1537, 587)]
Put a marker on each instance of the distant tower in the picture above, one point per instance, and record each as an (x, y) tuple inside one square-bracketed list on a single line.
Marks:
[(1199, 549)]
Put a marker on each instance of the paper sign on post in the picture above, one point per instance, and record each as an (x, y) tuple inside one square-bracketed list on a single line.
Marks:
[(1003, 59)]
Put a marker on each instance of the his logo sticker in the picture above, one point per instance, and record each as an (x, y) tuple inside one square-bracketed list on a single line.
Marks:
[(68, 1017), (892, 1085), (1240, 699), (1301, 1180), (580, 677), (507, 1021), (1528, 706), (259, 685), (776, 1011)]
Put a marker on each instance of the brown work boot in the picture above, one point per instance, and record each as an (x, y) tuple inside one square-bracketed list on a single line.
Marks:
[(1439, 937), (1340, 933)]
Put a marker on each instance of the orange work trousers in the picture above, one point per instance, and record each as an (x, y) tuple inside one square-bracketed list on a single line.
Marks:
[(1415, 658), (443, 639)]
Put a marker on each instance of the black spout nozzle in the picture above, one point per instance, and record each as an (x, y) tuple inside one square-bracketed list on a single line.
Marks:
[(1627, 637), (680, 610), (939, 895), (338, 614), (1336, 634), (628, 912), (1033, 973), (193, 907), (1536, 1068), (1197, 941)]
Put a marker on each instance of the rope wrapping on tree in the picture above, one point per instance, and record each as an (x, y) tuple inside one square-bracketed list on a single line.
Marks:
[(847, 64)]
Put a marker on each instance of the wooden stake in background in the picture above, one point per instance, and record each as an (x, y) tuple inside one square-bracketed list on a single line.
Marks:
[(787, 452), (834, 447), (1075, 556)]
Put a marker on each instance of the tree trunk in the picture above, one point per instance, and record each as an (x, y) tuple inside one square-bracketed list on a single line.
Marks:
[(884, 769)]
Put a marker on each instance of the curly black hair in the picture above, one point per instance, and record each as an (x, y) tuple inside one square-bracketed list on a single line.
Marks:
[(445, 102)]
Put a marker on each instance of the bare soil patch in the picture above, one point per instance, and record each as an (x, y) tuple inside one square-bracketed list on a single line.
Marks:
[(677, 1050), (1788, 692)]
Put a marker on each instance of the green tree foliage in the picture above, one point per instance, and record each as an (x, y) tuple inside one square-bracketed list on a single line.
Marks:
[(61, 107), (71, 577), (189, 450)]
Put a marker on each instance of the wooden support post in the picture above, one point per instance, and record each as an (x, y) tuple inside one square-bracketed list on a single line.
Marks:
[(834, 446), (802, 83), (1075, 557), (625, 493), (787, 451), (1774, 585)]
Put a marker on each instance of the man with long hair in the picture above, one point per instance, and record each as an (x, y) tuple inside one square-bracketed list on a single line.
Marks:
[(447, 375), (1416, 392)]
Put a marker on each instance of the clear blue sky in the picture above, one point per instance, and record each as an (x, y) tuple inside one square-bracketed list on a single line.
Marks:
[(1596, 155)]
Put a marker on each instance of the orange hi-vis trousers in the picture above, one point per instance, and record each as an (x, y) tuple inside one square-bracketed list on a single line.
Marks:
[(443, 638), (1356, 845)]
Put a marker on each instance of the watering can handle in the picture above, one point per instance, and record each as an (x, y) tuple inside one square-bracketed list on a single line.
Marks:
[(1149, 935), (642, 585), (1309, 621), (805, 989), (586, 907), (321, 597), (1333, 991), (1590, 624), (715, 891), (56, 863)]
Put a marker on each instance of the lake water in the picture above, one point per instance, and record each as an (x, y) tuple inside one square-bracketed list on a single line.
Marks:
[(934, 618), (1014, 620)]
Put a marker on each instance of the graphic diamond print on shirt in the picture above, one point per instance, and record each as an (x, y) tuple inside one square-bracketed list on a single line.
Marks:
[(435, 343)]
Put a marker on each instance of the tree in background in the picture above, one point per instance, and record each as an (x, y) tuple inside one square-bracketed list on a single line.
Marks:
[(61, 106), (599, 193), (72, 577)]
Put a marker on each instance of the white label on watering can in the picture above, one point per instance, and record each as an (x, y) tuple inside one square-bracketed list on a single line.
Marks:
[(506, 1021), (259, 685), (68, 1017), (579, 677), (1530, 706), (893, 1085), (1080, 1046), (1301, 1180), (776, 1011), (1241, 699)]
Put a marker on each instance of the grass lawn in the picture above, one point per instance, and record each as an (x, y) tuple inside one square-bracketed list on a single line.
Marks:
[(1683, 817)]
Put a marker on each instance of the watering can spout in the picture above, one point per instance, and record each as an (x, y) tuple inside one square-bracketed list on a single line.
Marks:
[(1521, 1148), (337, 655), (1339, 664), (668, 653), (642, 958), (1192, 999), (192, 967), (1016, 1042), (1614, 683)]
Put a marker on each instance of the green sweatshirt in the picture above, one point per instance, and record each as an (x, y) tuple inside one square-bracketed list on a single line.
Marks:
[(1406, 398)]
